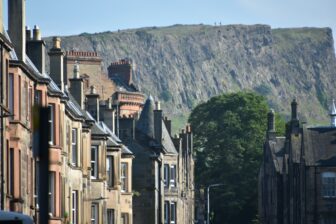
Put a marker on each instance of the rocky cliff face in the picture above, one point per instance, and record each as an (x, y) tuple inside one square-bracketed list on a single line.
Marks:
[(185, 65)]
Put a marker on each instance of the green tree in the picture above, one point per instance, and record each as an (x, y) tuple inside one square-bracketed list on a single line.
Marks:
[(229, 131)]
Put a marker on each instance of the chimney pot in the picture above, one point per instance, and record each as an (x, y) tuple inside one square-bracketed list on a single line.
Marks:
[(36, 33), (28, 33), (271, 121), (157, 105), (93, 90), (57, 42), (76, 71)]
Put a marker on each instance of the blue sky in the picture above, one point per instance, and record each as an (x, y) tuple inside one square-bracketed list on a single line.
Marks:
[(66, 17)]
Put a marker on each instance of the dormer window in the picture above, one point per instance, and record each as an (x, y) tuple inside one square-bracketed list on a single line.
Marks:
[(329, 185)]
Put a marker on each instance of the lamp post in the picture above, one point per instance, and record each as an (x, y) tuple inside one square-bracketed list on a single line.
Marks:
[(208, 199)]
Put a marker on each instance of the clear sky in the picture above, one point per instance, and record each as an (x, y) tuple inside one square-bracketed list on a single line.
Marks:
[(66, 17)]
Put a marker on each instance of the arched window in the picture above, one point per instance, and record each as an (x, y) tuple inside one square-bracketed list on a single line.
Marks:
[(329, 184)]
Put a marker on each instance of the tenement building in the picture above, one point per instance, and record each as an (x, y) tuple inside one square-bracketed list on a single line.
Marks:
[(163, 178), (297, 181), (90, 170), (96, 138)]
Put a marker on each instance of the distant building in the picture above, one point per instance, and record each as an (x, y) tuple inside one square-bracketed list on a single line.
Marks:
[(163, 175), (297, 181), (127, 97)]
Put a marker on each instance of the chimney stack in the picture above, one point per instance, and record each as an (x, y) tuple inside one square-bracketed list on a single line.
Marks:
[(158, 123), (36, 48), (168, 124), (17, 26), (93, 103), (294, 110), (108, 114), (56, 55), (77, 87), (270, 121)]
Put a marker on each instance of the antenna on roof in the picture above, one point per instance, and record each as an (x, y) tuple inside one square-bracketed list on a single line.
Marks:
[(333, 114)]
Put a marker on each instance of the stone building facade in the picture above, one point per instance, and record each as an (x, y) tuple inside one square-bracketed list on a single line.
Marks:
[(86, 159), (297, 181), (93, 135), (163, 178)]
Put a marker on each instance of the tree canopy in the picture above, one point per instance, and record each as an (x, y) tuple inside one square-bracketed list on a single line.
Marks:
[(229, 131)]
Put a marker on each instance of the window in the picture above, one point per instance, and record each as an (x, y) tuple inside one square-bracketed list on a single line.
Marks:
[(329, 184), (124, 218), (123, 177), (173, 175), (169, 212), (51, 122), (30, 107), (11, 94), (166, 175), (74, 207), (52, 193), (166, 212), (94, 213), (110, 171), (20, 104), (74, 146), (94, 162), (172, 212), (110, 216), (38, 97), (10, 171)]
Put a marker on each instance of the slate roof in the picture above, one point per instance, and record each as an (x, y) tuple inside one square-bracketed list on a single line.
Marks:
[(167, 143), (145, 123), (113, 140), (316, 145), (98, 130)]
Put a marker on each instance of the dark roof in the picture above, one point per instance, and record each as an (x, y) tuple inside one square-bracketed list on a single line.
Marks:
[(113, 140), (145, 123), (167, 143), (98, 130), (122, 86), (316, 145), (276, 147)]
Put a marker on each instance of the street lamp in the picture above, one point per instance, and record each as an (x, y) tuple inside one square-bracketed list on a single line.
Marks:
[(208, 199)]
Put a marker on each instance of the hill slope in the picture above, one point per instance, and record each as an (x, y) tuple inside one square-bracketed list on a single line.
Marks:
[(184, 65)]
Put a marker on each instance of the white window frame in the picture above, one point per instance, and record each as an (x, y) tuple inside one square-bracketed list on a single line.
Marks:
[(110, 171), (74, 146), (94, 213), (74, 207), (328, 185), (123, 177), (94, 162), (51, 120), (173, 175), (52, 191), (166, 176), (173, 210)]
